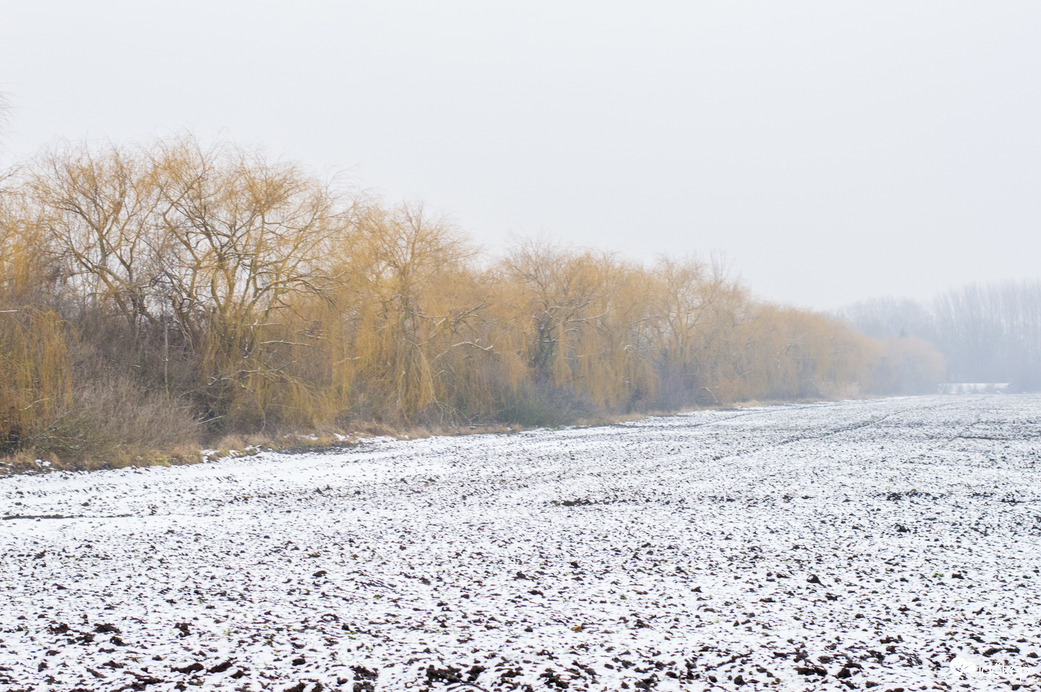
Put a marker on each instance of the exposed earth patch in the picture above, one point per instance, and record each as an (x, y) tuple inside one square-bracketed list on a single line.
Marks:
[(880, 544)]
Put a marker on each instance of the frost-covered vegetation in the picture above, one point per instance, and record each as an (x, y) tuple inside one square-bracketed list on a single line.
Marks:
[(867, 545), (152, 295)]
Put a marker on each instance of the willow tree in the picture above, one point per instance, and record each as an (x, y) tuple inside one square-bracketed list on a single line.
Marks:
[(557, 291), (27, 270), (243, 243), (35, 382), (416, 306), (98, 211), (35, 374)]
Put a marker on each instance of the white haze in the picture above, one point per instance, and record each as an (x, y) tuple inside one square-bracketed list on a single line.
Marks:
[(831, 151)]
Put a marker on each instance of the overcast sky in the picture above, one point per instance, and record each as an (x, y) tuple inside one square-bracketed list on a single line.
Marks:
[(831, 151)]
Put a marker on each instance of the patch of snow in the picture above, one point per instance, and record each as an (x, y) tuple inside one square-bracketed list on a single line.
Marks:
[(817, 546)]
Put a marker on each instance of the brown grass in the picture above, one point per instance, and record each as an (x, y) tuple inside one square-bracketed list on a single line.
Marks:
[(112, 424)]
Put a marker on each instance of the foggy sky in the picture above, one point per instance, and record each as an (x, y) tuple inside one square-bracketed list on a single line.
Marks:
[(830, 151)]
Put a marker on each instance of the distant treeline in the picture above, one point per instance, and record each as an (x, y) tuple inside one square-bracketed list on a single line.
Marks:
[(988, 333), (155, 295)]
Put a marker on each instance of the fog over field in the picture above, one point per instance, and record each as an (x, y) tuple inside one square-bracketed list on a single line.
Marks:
[(513, 346), (856, 545), (833, 152)]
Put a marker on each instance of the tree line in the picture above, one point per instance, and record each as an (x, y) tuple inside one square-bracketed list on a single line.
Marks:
[(151, 295), (988, 333)]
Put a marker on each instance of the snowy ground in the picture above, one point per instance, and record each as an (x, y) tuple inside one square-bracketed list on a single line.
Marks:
[(879, 544)]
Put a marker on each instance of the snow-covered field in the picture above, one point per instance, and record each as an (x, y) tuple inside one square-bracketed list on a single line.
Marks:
[(874, 544)]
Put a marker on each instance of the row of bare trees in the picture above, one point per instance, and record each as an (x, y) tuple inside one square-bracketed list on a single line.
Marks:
[(987, 333), (241, 293)]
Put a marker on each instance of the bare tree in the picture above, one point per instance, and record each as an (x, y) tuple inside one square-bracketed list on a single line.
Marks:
[(241, 242), (98, 211), (992, 333)]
